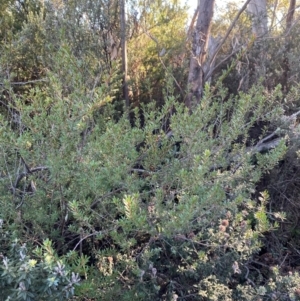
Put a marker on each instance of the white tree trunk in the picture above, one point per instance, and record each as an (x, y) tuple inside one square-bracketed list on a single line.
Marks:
[(124, 52), (200, 38), (258, 11)]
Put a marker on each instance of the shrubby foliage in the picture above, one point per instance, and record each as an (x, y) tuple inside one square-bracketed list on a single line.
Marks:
[(169, 206), (41, 277), (165, 216), (157, 50)]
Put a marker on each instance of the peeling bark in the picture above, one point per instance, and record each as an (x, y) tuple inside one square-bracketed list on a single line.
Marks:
[(204, 49), (200, 38)]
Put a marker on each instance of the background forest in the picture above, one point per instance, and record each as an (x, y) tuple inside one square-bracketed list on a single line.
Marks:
[(147, 154)]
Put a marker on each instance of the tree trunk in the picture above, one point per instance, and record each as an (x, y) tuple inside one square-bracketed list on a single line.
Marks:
[(200, 38), (124, 52), (258, 10), (209, 64), (290, 15), (288, 41)]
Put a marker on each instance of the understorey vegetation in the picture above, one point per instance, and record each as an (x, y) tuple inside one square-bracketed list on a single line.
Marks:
[(158, 199)]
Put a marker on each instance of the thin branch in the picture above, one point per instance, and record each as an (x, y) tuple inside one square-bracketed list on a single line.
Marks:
[(283, 260), (157, 44), (30, 171), (39, 168), (85, 237), (294, 115), (104, 196), (90, 235), (259, 148), (213, 57), (274, 14), (6, 166), (212, 70), (189, 33), (246, 276), (25, 83), (262, 141), (176, 82)]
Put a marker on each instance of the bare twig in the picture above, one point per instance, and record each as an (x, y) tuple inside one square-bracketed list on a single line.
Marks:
[(294, 115), (157, 44), (262, 147), (26, 83), (212, 70), (274, 14), (286, 255), (7, 170), (20, 176), (104, 196), (189, 34), (246, 276), (142, 171), (25, 173), (213, 57), (176, 82), (90, 235), (85, 237)]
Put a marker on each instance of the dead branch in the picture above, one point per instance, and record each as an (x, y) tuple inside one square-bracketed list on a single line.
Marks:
[(25, 83), (27, 172)]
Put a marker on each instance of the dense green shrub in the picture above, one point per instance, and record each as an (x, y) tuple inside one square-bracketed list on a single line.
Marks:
[(158, 216), (137, 212)]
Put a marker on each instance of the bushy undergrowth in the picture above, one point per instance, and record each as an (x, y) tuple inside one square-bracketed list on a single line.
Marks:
[(138, 214), (30, 276)]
